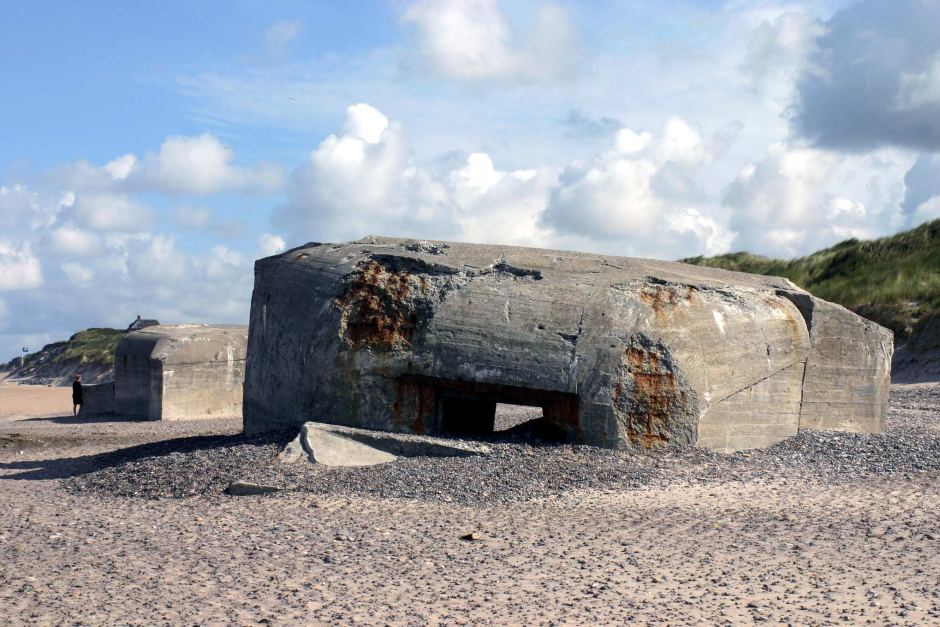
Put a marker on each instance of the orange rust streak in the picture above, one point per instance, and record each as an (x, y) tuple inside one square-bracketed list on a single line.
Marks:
[(663, 299), (376, 308), (654, 398)]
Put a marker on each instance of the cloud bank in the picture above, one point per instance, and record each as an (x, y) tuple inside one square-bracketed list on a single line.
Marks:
[(661, 131), (874, 79)]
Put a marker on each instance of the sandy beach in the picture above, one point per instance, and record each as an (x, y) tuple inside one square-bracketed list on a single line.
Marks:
[(733, 549)]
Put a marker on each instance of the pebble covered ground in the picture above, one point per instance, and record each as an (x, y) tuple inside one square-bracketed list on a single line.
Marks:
[(823, 529), (516, 470)]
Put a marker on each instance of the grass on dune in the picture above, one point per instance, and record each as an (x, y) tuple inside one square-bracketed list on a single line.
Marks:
[(894, 281), (95, 345)]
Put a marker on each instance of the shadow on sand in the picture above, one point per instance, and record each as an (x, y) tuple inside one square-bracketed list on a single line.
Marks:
[(64, 467), (85, 419)]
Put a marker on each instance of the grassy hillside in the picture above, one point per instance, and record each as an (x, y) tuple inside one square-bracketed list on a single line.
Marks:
[(95, 345), (894, 281), (89, 352)]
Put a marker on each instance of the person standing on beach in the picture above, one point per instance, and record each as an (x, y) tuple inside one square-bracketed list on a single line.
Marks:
[(78, 394)]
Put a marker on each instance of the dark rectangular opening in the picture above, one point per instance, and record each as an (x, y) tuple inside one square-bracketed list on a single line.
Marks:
[(471, 408), (467, 416)]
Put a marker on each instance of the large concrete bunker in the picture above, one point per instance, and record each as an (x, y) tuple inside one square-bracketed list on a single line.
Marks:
[(181, 371), (420, 337)]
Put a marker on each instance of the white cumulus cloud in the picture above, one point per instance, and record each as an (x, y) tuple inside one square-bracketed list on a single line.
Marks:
[(365, 180), (68, 239), (624, 194), (157, 261), (77, 273), (778, 46), (24, 208), (121, 167), (201, 165), (105, 211), (19, 268), (474, 40), (920, 89), (498, 206), (224, 263), (270, 244), (187, 165), (796, 199), (360, 181), (928, 210)]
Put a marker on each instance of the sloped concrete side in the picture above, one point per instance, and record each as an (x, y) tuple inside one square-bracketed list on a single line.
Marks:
[(696, 348), (848, 370), (293, 346), (758, 416)]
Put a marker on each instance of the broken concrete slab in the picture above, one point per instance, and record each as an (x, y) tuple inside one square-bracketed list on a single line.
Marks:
[(426, 337), (405, 444), (294, 451), (335, 445), (332, 449)]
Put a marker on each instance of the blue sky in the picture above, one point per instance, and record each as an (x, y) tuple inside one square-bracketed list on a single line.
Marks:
[(152, 151)]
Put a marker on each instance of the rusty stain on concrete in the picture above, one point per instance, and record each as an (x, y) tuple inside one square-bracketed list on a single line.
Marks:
[(378, 309)]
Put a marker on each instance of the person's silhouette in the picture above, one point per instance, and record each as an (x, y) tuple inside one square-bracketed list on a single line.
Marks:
[(78, 394)]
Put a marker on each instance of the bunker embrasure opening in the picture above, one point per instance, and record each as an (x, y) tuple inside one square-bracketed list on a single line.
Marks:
[(467, 408)]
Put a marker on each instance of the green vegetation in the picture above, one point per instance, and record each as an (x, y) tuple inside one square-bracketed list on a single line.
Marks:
[(91, 346), (894, 281)]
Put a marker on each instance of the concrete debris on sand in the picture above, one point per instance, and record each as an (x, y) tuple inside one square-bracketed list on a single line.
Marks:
[(331, 449), (336, 445), (516, 471)]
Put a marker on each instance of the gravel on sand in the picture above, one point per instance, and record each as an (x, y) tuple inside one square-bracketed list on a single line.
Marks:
[(518, 471)]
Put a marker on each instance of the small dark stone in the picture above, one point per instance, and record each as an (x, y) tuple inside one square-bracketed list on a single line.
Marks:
[(245, 488)]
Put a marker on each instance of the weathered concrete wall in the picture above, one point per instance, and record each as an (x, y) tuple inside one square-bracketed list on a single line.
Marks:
[(137, 377), (619, 352), (173, 372), (849, 358), (99, 398)]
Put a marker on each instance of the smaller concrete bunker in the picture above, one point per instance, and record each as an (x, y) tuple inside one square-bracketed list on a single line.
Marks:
[(427, 337), (182, 371)]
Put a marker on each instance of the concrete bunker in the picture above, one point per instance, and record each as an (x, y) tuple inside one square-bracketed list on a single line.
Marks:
[(183, 371), (426, 337)]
